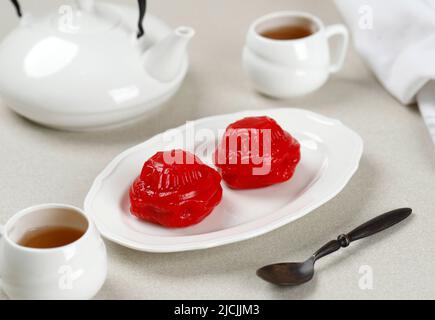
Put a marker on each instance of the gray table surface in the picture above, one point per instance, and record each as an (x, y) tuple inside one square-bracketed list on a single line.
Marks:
[(39, 165)]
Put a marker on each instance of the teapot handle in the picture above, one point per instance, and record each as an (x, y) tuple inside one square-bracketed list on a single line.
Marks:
[(142, 11), (17, 7), (88, 4)]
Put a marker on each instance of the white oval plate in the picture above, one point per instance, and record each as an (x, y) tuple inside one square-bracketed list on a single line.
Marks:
[(330, 156)]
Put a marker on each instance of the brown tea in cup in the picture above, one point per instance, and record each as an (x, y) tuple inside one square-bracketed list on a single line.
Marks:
[(50, 237), (287, 32)]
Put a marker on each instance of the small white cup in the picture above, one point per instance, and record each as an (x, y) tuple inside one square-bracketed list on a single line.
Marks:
[(295, 67), (75, 271)]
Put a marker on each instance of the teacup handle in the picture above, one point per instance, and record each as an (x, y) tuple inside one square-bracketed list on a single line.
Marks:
[(338, 30)]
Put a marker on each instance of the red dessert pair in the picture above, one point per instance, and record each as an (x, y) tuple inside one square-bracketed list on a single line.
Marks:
[(175, 189)]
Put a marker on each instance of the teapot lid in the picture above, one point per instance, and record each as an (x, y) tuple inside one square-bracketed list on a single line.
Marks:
[(85, 22)]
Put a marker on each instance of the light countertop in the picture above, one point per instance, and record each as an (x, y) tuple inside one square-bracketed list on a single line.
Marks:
[(39, 165)]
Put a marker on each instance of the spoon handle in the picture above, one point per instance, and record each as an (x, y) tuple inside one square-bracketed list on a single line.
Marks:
[(382, 222), (328, 248), (375, 225)]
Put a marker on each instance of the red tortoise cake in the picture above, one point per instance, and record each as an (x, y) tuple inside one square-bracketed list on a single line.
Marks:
[(256, 152), (175, 189)]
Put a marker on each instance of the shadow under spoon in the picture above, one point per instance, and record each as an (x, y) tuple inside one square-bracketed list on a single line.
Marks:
[(296, 273)]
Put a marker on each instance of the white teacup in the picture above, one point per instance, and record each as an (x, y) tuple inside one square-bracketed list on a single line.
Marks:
[(294, 67), (74, 271)]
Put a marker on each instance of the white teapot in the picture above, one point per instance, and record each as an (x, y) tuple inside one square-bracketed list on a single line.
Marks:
[(91, 65)]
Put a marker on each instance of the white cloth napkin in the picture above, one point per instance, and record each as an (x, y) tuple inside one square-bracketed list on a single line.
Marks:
[(397, 40), (426, 102)]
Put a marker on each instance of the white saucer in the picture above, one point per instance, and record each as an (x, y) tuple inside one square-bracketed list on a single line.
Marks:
[(330, 156)]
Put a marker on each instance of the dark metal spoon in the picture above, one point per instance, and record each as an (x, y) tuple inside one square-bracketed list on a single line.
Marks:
[(292, 274)]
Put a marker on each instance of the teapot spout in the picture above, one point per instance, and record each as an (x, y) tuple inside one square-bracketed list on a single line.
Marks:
[(163, 61)]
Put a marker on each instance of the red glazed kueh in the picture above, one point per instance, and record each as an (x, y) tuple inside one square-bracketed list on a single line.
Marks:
[(175, 189), (236, 156)]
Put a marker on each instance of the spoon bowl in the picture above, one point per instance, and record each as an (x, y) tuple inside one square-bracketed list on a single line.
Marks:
[(288, 274)]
